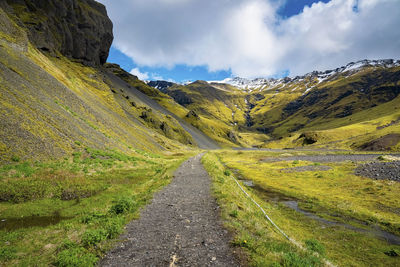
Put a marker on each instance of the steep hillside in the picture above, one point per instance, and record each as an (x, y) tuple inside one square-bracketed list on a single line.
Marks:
[(360, 99), (349, 107), (56, 96), (219, 110)]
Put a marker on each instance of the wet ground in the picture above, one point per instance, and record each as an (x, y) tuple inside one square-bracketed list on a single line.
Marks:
[(10, 224), (293, 203)]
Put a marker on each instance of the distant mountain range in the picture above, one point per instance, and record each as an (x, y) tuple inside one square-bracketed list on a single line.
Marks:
[(269, 83), (266, 84), (320, 104)]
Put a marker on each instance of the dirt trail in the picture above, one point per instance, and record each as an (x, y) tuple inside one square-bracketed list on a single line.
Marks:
[(181, 227)]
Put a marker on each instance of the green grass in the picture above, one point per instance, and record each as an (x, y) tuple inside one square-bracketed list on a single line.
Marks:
[(91, 196), (336, 195), (262, 244)]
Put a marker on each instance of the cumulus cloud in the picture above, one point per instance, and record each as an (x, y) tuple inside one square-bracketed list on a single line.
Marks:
[(139, 74), (249, 38)]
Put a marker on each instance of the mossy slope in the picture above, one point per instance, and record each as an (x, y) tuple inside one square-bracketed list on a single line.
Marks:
[(48, 104)]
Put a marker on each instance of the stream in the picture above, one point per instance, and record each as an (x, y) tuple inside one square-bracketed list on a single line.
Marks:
[(293, 203)]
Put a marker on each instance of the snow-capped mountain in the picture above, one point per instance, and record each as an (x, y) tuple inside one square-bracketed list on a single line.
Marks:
[(319, 76)]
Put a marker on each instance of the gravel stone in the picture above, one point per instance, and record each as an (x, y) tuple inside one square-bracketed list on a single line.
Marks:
[(380, 170)]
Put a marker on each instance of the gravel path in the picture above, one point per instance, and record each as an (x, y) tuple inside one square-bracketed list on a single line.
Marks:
[(181, 227)]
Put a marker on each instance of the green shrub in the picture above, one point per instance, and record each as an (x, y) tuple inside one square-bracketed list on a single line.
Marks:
[(122, 205), (114, 226), (24, 169), (292, 259), (93, 237), (77, 157), (75, 256), (15, 158), (234, 214), (7, 253), (93, 217), (314, 245), (227, 172)]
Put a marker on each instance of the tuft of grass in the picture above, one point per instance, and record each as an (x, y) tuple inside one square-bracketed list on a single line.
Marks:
[(122, 205), (93, 236), (75, 256), (7, 253), (15, 158), (234, 214), (292, 259), (315, 246)]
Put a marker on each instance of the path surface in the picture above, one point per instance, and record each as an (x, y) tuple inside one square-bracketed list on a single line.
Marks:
[(181, 227)]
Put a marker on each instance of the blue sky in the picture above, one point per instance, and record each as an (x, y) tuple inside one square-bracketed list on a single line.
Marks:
[(183, 73), (178, 73), (187, 40)]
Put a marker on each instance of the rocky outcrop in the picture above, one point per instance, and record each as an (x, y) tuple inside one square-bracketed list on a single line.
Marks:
[(382, 144), (309, 138), (78, 29)]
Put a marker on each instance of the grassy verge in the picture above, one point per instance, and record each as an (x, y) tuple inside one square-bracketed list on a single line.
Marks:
[(335, 195), (69, 212), (263, 245)]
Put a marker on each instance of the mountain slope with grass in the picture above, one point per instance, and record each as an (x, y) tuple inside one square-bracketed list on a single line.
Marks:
[(351, 107), (56, 92), (81, 149)]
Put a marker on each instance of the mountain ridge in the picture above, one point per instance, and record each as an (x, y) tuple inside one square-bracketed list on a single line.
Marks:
[(268, 83), (287, 107)]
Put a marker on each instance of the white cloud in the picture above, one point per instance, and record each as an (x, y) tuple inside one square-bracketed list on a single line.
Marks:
[(248, 37), (139, 74)]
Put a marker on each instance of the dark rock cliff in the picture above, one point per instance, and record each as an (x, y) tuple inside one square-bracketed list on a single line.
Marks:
[(78, 29)]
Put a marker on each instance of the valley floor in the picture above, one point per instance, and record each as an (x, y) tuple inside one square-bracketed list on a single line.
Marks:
[(70, 213)]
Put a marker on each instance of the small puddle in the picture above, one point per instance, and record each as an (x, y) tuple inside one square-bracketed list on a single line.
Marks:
[(293, 204), (15, 223)]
